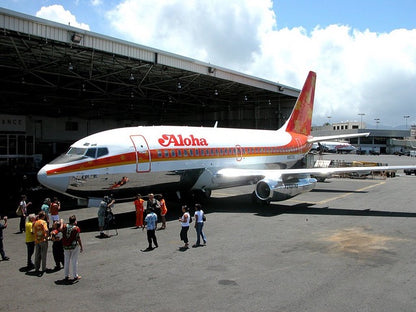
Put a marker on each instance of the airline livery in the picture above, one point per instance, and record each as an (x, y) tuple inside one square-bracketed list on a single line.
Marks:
[(159, 159)]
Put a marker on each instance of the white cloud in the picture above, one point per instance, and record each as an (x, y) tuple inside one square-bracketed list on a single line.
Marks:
[(58, 14), (96, 2), (358, 72)]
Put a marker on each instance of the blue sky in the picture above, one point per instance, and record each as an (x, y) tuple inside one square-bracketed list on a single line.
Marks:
[(375, 15), (364, 52)]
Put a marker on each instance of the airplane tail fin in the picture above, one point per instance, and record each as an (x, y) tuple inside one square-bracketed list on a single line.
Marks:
[(300, 121)]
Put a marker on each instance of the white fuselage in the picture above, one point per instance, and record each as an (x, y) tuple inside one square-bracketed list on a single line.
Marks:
[(161, 158)]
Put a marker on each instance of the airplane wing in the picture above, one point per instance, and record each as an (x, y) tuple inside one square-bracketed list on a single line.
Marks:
[(281, 184), (270, 173), (333, 137)]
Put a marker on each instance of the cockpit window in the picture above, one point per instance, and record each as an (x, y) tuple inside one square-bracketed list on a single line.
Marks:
[(91, 152), (102, 151), (78, 153)]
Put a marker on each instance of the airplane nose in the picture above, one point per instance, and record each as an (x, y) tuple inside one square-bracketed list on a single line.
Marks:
[(56, 182)]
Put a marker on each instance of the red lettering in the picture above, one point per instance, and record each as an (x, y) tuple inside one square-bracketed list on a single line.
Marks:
[(178, 140)]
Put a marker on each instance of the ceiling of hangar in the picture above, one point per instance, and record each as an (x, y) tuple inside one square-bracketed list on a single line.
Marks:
[(53, 78)]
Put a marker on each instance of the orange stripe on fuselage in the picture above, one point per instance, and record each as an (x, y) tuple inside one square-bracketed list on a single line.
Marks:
[(298, 145)]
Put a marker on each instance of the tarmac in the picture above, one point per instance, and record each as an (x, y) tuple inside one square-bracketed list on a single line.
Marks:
[(348, 245)]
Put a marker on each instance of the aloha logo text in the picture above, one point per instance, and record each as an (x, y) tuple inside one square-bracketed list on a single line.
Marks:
[(178, 140)]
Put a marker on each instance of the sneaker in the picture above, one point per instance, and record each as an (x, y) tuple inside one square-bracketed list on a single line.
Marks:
[(6, 259), (77, 278)]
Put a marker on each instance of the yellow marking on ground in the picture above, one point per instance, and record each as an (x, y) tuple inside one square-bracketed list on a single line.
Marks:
[(324, 201), (348, 194)]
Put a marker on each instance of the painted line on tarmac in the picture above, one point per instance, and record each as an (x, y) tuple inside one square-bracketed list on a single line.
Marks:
[(340, 196)]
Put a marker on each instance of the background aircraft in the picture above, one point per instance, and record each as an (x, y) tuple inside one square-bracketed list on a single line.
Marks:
[(162, 159), (334, 147)]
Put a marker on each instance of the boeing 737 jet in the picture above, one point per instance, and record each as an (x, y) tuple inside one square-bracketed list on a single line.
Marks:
[(131, 160)]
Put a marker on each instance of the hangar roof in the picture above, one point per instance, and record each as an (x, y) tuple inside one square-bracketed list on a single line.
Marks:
[(52, 69)]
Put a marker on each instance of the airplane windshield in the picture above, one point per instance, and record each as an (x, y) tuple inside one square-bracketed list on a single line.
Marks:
[(78, 153)]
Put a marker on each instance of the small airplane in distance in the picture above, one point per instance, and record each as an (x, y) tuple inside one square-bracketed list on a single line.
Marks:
[(334, 147), (161, 159)]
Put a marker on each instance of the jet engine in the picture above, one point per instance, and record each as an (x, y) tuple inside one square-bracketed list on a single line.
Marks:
[(283, 188)]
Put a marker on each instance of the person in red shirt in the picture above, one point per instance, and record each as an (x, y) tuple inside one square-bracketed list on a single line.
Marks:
[(72, 244), (54, 210), (138, 203)]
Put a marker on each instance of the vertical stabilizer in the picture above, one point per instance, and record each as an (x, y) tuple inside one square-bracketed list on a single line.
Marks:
[(300, 121)]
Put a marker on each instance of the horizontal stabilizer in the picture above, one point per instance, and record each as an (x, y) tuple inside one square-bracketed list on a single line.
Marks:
[(334, 137)]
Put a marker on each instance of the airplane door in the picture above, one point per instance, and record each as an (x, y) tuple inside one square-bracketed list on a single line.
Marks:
[(238, 153), (143, 159)]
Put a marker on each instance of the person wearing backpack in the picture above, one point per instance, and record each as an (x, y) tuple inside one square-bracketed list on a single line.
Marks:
[(72, 244), (199, 224)]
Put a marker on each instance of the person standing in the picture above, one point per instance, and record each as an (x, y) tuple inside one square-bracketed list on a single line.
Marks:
[(185, 220), (46, 207), (30, 240), (151, 224), (40, 228), (102, 210), (163, 212), (23, 205), (57, 247), (138, 203), (153, 203), (54, 209), (199, 224), (2, 227), (72, 244)]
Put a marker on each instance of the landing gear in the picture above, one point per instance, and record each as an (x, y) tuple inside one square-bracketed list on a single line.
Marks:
[(200, 196)]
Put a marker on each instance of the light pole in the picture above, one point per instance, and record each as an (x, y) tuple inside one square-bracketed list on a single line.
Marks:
[(329, 120), (405, 119), (377, 122), (361, 114)]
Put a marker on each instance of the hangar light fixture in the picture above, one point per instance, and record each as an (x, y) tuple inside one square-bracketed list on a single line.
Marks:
[(215, 92), (179, 86), (131, 77), (76, 38), (70, 67), (211, 70), (281, 89)]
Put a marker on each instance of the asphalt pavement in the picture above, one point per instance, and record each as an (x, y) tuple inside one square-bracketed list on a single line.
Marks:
[(346, 246)]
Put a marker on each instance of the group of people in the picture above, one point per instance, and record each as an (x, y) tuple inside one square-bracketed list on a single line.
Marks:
[(185, 221), (151, 219), (156, 203), (66, 244), (66, 241)]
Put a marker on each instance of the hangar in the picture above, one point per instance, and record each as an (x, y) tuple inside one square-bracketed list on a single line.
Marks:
[(61, 83)]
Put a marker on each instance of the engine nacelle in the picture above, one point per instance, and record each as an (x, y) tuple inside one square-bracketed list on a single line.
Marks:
[(275, 190)]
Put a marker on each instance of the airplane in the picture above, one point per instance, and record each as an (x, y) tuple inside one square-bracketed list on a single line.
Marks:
[(334, 147), (144, 159)]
